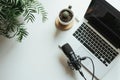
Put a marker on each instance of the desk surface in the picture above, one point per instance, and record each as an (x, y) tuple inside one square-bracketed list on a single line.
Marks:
[(38, 56)]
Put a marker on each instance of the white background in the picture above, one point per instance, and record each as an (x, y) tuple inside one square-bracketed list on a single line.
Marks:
[(38, 56)]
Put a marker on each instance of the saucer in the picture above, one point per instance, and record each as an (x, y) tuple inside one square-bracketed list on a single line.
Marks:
[(63, 27)]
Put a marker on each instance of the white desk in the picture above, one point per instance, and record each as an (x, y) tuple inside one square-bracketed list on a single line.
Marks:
[(38, 56)]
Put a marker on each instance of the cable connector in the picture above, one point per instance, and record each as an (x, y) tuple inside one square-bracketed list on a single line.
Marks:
[(83, 58), (81, 73)]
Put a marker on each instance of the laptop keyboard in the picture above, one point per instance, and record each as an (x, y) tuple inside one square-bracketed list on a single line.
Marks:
[(93, 42)]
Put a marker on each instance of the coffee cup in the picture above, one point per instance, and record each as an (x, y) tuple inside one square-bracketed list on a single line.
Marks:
[(66, 16)]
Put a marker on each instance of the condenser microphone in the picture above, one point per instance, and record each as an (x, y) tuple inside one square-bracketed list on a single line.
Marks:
[(73, 60), (67, 49)]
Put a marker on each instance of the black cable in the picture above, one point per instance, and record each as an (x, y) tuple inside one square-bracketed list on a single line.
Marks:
[(83, 58), (81, 73), (93, 67)]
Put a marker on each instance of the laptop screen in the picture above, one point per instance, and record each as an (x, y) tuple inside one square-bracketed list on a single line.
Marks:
[(105, 19)]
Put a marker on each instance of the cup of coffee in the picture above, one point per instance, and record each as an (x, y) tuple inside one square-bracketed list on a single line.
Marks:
[(66, 16)]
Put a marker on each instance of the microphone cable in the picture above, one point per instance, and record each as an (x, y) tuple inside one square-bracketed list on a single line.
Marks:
[(93, 66), (81, 73)]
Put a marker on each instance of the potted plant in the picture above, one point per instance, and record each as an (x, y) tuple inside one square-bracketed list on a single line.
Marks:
[(10, 10)]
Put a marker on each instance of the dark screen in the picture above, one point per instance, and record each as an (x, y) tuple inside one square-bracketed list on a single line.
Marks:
[(105, 19)]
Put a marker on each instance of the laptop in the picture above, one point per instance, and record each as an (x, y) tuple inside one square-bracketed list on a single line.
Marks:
[(98, 37)]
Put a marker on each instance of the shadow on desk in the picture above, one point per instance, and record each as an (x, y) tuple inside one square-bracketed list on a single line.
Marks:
[(59, 32), (6, 45), (67, 69)]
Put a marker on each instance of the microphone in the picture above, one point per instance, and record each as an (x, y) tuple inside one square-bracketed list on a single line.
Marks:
[(74, 60), (68, 51)]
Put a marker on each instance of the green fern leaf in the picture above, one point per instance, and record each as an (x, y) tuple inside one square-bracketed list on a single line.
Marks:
[(11, 9), (21, 34), (29, 15)]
